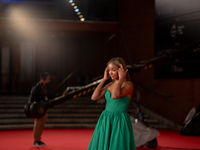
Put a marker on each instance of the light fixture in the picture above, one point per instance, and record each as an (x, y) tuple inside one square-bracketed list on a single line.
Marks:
[(76, 10), (82, 19)]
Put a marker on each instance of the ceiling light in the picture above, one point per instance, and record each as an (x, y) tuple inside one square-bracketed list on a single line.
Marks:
[(82, 19)]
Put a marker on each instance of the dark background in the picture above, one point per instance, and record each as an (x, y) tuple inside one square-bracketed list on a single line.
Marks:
[(52, 38), (177, 27)]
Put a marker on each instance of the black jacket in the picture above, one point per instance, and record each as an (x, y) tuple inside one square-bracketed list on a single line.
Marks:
[(38, 94)]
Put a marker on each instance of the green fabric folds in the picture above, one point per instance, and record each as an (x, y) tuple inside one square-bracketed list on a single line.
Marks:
[(113, 130)]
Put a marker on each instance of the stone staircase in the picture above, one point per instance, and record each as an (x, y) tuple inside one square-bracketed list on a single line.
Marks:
[(76, 113)]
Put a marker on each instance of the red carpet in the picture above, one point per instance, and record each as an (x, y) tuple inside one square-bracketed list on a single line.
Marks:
[(78, 139)]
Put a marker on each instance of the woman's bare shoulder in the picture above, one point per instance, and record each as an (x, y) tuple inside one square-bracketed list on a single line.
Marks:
[(128, 83)]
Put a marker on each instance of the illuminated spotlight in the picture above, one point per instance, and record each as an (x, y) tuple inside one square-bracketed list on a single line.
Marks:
[(82, 19), (77, 10)]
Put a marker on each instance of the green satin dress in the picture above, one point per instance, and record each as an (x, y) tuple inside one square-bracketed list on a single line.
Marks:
[(113, 130)]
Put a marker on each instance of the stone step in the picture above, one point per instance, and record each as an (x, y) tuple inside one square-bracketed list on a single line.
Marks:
[(3, 116), (19, 106), (25, 99), (21, 112), (64, 120), (50, 120), (158, 126), (64, 126), (87, 118), (151, 121), (48, 126), (57, 109), (81, 112), (86, 101), (29, 125)]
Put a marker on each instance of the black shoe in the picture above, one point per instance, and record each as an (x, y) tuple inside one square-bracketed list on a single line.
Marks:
[(39, 144), (42, 143)]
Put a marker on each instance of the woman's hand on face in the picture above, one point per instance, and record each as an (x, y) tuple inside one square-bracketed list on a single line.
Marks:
[(106, 74), (121, 72)]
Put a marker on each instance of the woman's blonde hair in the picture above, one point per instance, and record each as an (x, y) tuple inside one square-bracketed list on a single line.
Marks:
[(117, 61)]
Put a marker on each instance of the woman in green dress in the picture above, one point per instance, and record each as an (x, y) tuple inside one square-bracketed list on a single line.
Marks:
[(113, 130)]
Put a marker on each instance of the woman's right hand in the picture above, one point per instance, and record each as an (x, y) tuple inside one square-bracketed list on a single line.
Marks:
[(99, 92), (106, 73)]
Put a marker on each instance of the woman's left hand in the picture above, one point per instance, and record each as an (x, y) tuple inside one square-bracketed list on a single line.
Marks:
[(121, 72)]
